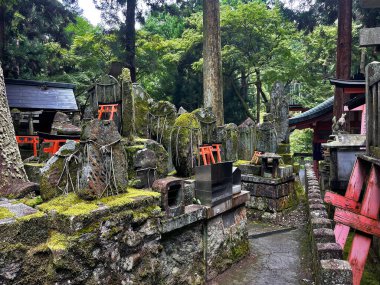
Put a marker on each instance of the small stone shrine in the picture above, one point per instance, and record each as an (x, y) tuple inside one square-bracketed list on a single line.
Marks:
[(342, 151), (269, 181)]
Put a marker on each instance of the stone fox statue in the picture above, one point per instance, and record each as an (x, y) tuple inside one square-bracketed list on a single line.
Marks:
[(338, 126)]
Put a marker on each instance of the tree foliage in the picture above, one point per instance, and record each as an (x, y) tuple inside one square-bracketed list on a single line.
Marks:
[(262, 42)]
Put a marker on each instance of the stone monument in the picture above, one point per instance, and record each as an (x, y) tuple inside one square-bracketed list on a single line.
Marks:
[(266, 135), (279, 108)]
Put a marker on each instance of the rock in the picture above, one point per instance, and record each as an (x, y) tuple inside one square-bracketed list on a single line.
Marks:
[(141, 101), (50, 180), (181, 111), (21, 190), (103, 167), (247, 139), (162, 115), (267, 135), (279, 108), (228, 135), (62, 125), (185, 138), (147, 161), (207, 120), (19, 210), (128, 104)]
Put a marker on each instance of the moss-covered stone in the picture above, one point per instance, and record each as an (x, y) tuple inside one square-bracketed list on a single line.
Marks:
[(57, 241), (283, 148), (142, 101), (228, 135), (296, 167), (287, 158), (240, 162), (31, 202), (138, 144), (162, 115), (53, 177), (72, 205), (185, 138), (5, 213), (207, 121)]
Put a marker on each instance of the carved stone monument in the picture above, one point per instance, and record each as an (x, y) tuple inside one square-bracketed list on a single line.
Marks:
[(266, 135), (279, 108)]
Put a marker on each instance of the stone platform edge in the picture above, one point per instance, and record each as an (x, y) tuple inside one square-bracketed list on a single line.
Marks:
[(329, 266)]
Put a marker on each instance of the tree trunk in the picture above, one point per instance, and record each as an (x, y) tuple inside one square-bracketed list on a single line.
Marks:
[(244, 85), (12, 172), (258, 95), (130, 42), (343, 54), (2, 32), (212, 60)]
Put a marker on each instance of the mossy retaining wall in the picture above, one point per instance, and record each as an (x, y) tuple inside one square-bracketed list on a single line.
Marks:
[(123, 239)]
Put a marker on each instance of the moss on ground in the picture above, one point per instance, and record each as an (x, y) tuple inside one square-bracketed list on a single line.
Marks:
[(372, 269), (72, 205), (300, 191), (5, 213)]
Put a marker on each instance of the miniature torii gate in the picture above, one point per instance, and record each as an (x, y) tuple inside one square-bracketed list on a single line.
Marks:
[(360, 207)]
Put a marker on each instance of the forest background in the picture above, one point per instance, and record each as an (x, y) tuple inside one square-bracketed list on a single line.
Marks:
[(263, 41)]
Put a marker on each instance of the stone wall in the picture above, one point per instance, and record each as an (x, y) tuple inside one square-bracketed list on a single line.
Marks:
[(124, 239), (329, 266)]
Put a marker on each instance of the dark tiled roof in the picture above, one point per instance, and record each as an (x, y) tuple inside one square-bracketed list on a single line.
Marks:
[(313, 113), (27, 94), (347, 83)]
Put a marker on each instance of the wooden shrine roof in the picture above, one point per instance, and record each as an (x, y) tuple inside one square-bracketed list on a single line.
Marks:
[(41, 95)]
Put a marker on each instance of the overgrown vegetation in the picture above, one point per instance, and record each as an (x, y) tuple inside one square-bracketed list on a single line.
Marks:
[(262, 41)]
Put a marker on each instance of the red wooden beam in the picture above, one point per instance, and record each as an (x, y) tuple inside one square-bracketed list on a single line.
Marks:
[(371, 200), (342, 202), (354, 90), (359, 222), (356, 182), (341, 233), (358, 256)]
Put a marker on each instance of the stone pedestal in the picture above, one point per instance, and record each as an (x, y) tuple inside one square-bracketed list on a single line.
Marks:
[(269, 194)]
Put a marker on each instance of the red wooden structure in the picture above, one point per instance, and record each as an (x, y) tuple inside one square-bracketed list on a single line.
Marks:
[(207, 153), (55, 145), (29, 140), (110, 110), (359, 210), (360, 207)]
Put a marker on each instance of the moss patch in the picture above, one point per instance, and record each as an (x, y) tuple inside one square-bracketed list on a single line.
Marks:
[(5, 213), (31, 202), (300, 191), (72, 205), (36, 215), (57, 241), (240, 162), (115, 201)]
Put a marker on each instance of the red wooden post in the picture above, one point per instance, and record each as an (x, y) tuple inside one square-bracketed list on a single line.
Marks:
[(29, 140)]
